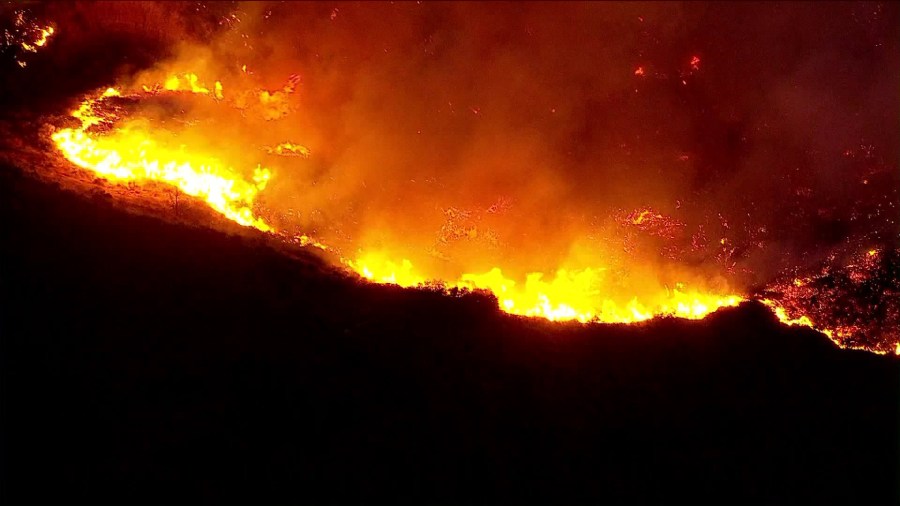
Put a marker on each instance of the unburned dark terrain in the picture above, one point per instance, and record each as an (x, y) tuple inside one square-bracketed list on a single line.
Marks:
[(144, 361)]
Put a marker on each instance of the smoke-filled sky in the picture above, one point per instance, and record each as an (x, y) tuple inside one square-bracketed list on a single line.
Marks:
[(531, 136)]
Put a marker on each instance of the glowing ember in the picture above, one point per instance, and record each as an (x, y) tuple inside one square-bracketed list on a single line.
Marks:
[(802, 320), (44, 34), (26, 36), (695, 62), (130, 151), (855, 305), (186, 82)]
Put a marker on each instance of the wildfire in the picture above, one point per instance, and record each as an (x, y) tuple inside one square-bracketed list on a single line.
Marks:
[(26, 35), (186, 82), (288, 149), (121, 150), (41, 41), (131, 153), (576, 295), (802, 320), (567, 295), (865, 291), (695, 62)]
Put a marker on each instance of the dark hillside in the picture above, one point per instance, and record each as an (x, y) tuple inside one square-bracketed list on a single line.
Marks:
[(144, 361)]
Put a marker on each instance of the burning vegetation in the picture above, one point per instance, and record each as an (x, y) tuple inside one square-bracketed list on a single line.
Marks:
[(123, 149), (24, 35), (855, 304), (511, 161)]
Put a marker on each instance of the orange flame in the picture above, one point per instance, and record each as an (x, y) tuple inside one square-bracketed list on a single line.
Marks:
[(288, 149), (131, 152), (567, 295), (41, 41)]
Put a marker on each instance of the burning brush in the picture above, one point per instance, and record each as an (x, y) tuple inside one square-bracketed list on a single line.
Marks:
[(501, 217)]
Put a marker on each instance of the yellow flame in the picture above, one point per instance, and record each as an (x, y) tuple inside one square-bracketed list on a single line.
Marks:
[(45, 34), (641, 217), (288, 149), (802, 320), (41, 41), (187, 82), (378, 268), (568, 295), (130, 153)]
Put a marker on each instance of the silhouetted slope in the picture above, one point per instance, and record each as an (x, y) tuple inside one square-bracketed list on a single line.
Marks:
[(149, 362)]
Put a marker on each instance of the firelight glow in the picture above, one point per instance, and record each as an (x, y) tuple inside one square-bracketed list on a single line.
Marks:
[(129, 151), (636, 177), (122, 147)]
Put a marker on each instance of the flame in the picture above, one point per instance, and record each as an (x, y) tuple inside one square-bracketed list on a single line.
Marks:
[(643, 215), (41, 41), (130, 153), (863, 287), (567, 295), (576, 295), (378, 268), (26, 34), (288, 149), (836, 335), (188, 82), (802, 320), (695, 62), (564, 247)]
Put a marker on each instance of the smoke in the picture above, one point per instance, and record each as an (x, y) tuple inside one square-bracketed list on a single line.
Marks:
[(531, 136)]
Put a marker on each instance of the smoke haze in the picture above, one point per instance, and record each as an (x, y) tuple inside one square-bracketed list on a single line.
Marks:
[(713, 143)]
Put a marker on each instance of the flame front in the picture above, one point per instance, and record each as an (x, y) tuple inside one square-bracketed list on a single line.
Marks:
[(567, 295), (864, 288), (43, 35), (131, 153)]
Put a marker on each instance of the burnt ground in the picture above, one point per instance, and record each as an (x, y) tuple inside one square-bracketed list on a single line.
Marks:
[(145, 361)]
